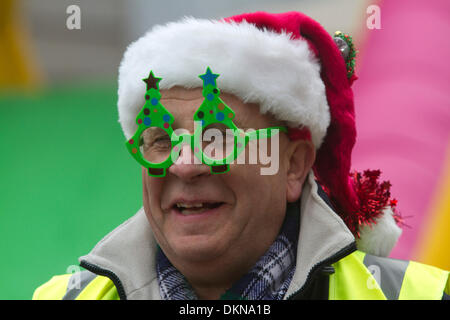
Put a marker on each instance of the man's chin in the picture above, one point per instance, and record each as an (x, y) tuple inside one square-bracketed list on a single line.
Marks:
[(198, 248)]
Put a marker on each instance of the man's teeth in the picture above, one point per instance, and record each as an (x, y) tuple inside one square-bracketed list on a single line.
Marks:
[(195, 208), (185, 205)]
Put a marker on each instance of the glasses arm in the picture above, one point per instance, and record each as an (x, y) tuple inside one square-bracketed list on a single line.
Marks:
[(265, 133)]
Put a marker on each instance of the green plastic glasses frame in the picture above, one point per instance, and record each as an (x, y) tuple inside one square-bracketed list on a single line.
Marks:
[(212, 111)]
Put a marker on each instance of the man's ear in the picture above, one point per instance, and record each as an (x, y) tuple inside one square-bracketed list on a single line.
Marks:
[(301, 156)]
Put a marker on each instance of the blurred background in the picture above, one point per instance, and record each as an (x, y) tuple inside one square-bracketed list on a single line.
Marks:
[(66, 179)]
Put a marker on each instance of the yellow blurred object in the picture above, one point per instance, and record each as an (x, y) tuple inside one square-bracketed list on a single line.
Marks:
[(18, 68), (434, 243)]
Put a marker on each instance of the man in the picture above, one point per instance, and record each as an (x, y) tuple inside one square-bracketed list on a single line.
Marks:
[(211, 231)]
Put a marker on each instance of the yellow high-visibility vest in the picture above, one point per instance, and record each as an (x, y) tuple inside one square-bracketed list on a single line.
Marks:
[(365, 277), (358, 276)]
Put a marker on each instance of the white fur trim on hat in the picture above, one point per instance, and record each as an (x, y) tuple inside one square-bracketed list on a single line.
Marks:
[(280, 74), (380, 237)]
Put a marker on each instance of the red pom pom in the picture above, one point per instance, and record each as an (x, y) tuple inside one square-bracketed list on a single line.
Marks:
[(373, 197)]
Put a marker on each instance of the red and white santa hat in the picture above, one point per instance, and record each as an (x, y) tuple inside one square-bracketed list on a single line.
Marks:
[(289, 65)]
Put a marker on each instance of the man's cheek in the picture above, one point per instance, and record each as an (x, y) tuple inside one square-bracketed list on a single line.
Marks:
[(154, 193), (151, 192), (249, 154), (269, 155)]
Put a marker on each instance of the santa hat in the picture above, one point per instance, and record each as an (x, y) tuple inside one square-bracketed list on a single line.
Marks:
[(289, 65)]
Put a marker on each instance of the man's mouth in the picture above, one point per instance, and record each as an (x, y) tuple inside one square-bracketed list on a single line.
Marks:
[(195, 207)]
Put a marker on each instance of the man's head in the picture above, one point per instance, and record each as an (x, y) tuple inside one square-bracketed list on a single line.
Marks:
[(273, 68), (199, 217)]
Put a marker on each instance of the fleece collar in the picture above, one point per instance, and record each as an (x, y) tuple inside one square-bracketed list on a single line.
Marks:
[(127, 255)]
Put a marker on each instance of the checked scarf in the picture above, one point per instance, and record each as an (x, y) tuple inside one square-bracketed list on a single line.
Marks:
[(269, 279)]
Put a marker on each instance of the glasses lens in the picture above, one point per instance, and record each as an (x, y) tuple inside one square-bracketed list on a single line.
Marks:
[(155, 145), (217, 141)]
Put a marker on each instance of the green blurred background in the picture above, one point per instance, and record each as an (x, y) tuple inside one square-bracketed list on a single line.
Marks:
[(66, 178), (66, 181)]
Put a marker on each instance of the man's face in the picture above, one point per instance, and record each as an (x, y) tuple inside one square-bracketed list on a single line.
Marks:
[(197, 216)]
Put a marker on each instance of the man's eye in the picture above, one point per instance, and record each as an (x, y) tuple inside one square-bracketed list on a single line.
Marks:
[(155, 138), (163, 142)]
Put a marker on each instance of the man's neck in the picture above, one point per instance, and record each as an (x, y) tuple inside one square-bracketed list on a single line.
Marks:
[(213, 281), (210, 293)]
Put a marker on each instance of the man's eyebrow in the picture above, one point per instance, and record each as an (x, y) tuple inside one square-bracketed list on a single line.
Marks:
[(240, 125)]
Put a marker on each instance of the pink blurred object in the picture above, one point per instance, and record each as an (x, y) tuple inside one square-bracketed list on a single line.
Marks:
[(402, 107)]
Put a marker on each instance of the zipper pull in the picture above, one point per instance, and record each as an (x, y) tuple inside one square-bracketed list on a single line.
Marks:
[(328, 270)]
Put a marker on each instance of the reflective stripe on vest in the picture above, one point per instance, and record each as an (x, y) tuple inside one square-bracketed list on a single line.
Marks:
[(77, 282), (363, 276), (388, 273)]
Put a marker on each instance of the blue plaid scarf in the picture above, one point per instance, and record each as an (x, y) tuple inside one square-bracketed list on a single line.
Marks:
[(269, 279)]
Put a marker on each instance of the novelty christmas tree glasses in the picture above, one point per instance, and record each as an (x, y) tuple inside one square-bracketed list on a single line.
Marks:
[(216, 140)]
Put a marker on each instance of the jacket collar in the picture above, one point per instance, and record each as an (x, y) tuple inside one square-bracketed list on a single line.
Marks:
[(127, 255), (323, 237)]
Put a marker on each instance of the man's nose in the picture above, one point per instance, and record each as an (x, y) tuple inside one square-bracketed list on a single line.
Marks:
[(188, 166)]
